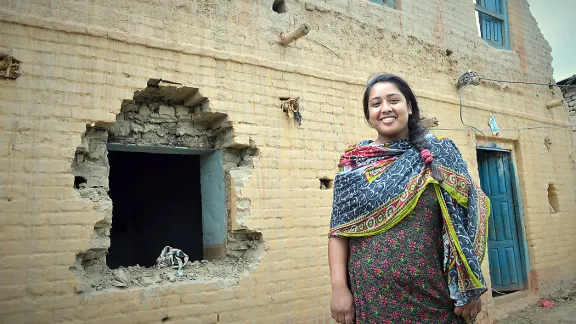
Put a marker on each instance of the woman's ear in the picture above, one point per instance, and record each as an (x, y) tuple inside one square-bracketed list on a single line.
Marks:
[(409, 108)]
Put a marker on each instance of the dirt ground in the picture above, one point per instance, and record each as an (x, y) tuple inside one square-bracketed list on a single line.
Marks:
[(564, 312)]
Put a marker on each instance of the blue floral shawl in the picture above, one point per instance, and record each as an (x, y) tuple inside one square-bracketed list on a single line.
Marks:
[(377, 186)]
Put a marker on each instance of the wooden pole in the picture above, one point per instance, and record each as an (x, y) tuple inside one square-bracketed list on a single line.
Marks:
[(301, 31)]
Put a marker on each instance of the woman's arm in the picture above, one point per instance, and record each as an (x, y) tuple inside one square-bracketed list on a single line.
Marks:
[(338, 260), (342, 304)]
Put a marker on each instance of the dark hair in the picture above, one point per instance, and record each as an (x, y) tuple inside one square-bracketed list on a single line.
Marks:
[(416, 131)]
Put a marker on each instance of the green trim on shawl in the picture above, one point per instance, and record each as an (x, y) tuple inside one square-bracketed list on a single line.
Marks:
[(475, 281), (407, 210), (409, 207)]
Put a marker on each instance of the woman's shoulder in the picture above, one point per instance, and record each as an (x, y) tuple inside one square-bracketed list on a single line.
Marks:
[(439, 140), (442, 146), (435, 138)]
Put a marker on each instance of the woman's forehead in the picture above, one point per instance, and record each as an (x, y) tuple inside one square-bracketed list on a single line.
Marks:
[(384, 89)]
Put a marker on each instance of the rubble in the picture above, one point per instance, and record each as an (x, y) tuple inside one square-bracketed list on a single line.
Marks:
[(100, 278), (122, 276)]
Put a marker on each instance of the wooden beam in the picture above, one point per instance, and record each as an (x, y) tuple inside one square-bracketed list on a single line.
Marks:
[(488, 12), (301, 31)]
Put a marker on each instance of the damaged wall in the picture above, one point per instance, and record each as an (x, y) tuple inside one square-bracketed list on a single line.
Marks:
[(570, 99), (569, 94), (164, 120), (78, 66)]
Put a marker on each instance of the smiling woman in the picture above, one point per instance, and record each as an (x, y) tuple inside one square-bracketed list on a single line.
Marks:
[(408, 226), (388, 112), (392, 109)]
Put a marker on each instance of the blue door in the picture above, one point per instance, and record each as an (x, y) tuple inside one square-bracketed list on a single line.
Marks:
[(496, 179)]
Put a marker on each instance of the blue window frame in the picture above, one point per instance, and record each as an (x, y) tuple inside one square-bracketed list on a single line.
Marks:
[(492, 22), (389, 3)]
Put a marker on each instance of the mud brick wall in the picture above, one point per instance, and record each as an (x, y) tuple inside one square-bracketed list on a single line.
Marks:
[(80, 62)]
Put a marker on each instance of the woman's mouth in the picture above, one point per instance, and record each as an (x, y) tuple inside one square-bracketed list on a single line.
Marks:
[(388, 120)]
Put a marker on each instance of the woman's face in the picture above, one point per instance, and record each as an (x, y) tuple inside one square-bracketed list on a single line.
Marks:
[(388, 112)]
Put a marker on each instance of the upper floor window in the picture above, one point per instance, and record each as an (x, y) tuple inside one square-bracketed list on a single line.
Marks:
[(492, 22), (389, 3)]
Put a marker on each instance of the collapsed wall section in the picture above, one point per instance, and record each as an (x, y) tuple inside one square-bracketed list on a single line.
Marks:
[(169, 120)]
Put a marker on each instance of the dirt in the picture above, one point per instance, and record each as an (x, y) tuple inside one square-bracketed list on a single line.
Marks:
[(563, 312)]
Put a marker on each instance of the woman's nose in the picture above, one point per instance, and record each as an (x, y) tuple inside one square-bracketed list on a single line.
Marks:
[(385, 108)]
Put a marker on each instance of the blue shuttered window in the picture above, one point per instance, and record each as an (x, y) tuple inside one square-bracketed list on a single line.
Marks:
[(389, 3), (492, 22)]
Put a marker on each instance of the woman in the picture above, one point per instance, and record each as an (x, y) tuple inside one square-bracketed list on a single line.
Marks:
[(408, 228)]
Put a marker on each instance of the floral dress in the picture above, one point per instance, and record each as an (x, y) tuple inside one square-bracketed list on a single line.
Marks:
[(397, 276)]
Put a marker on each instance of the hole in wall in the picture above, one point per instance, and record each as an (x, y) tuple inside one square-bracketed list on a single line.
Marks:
[(78, 181), (326, 184), (279, 6), (165, 319), (449, 52), (291, 107), (553, 199), (9, 67), (168, 160)]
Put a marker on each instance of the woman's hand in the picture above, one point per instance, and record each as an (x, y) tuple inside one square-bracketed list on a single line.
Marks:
[(469, 310), (342, 305)]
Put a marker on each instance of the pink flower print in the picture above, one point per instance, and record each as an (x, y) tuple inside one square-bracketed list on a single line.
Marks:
[(412, 246), (386, 263), (412, 270), (373, 290)]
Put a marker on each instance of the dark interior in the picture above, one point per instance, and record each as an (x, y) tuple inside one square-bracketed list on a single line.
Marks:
[(157, 202)]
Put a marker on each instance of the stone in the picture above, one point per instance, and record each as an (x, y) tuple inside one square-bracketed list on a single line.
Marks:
[(166, 111), (182, 112), (145, 111), (121, 276), (161, 132), (118, 284), (309, 7), (147, 281), (94, 270), (130, 107), (171, 277), (121, 128)]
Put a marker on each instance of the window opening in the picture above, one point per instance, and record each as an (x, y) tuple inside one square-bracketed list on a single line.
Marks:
[(157, 202), (492, 22)]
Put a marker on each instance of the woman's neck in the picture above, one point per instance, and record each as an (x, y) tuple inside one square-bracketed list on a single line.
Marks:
[(385, 139)]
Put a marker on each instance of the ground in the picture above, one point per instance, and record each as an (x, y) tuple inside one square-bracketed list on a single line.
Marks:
[(564, 312)]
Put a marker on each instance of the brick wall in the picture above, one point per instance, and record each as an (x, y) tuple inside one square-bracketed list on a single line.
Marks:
[(570, 99), (80, 61)]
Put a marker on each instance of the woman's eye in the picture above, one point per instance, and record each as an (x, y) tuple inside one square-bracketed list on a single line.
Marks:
[(375, 104)]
